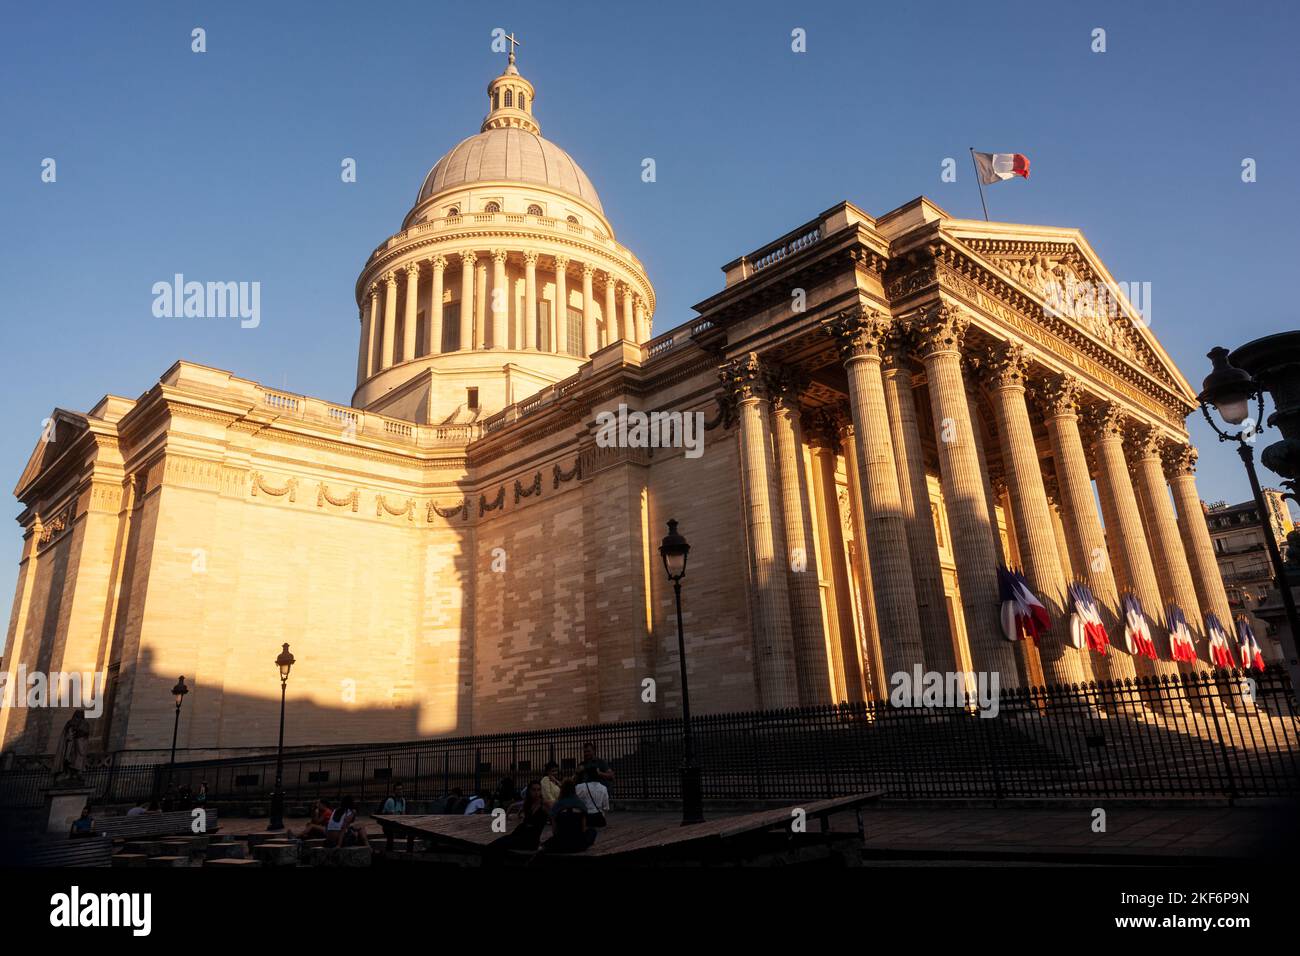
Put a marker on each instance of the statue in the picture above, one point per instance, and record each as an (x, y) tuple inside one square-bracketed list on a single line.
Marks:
[(74, 742)]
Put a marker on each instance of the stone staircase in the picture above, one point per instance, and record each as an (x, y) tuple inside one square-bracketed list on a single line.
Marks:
[(232, 852)]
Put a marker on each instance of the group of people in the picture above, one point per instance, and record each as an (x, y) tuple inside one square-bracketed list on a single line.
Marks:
[(338, 826), (575, 808)]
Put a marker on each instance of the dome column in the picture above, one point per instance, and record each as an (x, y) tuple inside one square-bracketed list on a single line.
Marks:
[(408, 326), (530, 300), (589, 344), (467, 300), (500, 301), (642, 325), (480, 303), (390, 318), (561, 310), (628, 327), (611, 309), (433, 340), (368, 333)]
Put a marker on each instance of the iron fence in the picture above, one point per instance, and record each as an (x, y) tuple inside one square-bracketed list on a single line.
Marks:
[(1206, 735)]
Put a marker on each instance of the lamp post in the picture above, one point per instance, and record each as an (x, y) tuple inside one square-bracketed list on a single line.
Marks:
[(284, 662), (1229, 390), (178, 692), (674, 550)]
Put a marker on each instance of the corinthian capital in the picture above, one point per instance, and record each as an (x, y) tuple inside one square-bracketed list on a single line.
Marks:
[(468, 258), (1180, 460), (390, 279), (1005, 365), (412, 270), (746, 378), (1105, 421), (530, 258), (562, 264), (785, 384), (941, 329), (499, 256), (1059, 396), (858, 332), (1148, 441), (438, 262)]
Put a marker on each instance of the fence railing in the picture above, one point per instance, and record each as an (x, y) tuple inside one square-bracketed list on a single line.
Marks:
[(1208, 735)]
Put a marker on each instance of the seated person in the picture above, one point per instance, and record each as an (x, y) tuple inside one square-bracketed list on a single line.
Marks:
[(320, 816), (475, 804), (343, 829), (138, 810), (397, 802), (595, 797), (569, 823), (84, 825), (533, 819)]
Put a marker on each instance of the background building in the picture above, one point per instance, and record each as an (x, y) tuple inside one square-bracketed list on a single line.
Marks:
[(1238, 536)]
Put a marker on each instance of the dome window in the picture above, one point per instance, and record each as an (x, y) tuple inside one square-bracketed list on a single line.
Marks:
[(492, 207), (573, 219), (523, 100), (535, 210), (453, 211), (510, 98), (496, 99)]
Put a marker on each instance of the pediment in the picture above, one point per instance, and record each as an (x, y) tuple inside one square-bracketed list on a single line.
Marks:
[(58, 433), (1061, 271)]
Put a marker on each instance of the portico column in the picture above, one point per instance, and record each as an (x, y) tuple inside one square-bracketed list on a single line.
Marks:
[(1128, 539), (408, 321), (940, 334), (561, 310), (467, 300), (642, 325), (773, 639), (627, 328), (1007, 370), (809, 631), (500, 301), (1165, 542), (823, 431), (1089, 555), (481, 313), (922, 545), (1180, 468), (590, 343), (867, 655), (530, 300), (859, 335), (611, 303), (433, 342), (390, 317)]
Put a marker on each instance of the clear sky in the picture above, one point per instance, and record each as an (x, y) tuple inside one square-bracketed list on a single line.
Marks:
[(225, 165)]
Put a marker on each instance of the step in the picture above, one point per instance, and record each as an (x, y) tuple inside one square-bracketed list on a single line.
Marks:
[(277, 853), (130, 859), (164, 861), (232, 862)]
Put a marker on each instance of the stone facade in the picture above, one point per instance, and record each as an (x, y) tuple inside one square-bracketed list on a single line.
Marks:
[(891, 407)]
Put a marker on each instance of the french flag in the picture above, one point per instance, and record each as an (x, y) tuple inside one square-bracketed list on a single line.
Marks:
[(996, 167), (1220, 653), (1086, 627), (1137, 633), (1180, 636), (1248, 647), (1023, 615)]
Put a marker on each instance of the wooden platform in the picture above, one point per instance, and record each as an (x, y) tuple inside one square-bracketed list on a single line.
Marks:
[(651, 839)]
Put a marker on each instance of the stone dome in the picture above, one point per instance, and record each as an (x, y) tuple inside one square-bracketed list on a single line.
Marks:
[(514, 155)]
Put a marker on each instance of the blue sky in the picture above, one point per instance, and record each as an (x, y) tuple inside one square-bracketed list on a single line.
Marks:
[(225, 165)]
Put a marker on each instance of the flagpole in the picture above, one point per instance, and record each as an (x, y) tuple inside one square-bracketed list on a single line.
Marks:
[(979, 182)]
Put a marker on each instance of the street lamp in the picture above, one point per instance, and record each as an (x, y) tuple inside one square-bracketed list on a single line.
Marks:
[(674, 551), (284, 662), (1229, 390), (178, 693)]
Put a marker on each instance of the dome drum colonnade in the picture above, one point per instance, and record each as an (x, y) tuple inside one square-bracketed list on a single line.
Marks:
[(1158, 547), (506, 249)]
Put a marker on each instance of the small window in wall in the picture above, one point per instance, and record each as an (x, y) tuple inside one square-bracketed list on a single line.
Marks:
[(453, 211), (471, 399), (575, 332), (572, 219), (534, 210), (510, 98), (450, 326), (523, 100), (544, 325), (496, 102), (492, 207)]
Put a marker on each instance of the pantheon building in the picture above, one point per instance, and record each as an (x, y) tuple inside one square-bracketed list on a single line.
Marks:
[(892, 406)]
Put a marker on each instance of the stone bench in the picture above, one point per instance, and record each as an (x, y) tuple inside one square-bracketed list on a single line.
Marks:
[(338, 856), (130, 859), (231, 862), (166, 861), (278, 853)]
